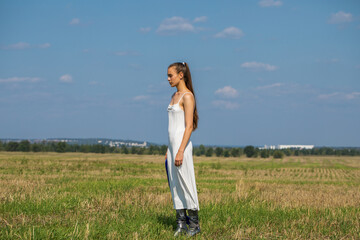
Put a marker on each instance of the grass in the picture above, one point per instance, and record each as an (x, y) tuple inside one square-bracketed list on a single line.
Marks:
[(115, 196)]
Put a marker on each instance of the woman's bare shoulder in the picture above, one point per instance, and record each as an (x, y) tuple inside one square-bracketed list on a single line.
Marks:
[(188, 98)]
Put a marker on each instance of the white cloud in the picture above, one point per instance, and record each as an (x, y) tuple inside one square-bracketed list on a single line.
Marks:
[(175, 25), (24, 45), (230, 32), (340, 17), (74, 21), (270, 3), (270, 86), (45, 45), (352, 95), (225, 104), (145, 29), (328, 61), (67, 78), (93, 83), (258, 66), (19, 45), (339, 95), (227, 92), (19, 79), (141, 98), (200, 19)]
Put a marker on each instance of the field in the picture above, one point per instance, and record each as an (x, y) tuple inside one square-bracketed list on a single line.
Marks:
[(116, 196)]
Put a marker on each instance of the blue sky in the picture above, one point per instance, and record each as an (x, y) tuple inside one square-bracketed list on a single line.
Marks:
[(264, 72)]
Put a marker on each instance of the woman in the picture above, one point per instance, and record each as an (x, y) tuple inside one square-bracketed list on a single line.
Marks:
[(183, 120)]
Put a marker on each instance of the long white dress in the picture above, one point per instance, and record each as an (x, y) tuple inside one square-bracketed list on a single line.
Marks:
[(181, 179)]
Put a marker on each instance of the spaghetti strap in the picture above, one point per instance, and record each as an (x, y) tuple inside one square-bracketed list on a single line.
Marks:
[(182, 96)]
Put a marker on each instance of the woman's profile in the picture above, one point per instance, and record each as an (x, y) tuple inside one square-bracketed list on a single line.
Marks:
[(183, 119)]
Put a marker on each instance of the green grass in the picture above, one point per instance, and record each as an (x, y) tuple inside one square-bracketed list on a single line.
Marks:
[(114, 196)]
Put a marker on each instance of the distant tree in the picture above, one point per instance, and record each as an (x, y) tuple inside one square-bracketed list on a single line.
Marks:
[(12, 146), (196, 151), (124, 149), (61, 147), (151, 150), (1, 146), (209, 152), (264, 153), (249, 151), (35, 147), (226, 153), (133, 150), (202, 149), (278, 154), (163, 149), (97, 148), (218, 151), (140, 150), (287, 152), (85, 148), (235, 152)]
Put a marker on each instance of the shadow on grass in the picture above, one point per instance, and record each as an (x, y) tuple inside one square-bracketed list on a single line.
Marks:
[(167, 221)]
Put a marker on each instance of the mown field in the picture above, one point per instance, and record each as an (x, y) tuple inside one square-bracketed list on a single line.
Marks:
[(116, 196)]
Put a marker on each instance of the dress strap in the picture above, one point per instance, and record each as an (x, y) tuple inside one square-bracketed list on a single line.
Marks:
[(182, 96)]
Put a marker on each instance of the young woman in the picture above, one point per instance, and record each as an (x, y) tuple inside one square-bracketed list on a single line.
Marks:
[(183, 119)]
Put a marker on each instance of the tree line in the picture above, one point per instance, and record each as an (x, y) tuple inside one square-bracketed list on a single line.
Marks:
[(208, 151)]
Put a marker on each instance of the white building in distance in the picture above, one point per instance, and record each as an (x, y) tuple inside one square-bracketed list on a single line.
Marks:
[(296, 146), (287, 146)]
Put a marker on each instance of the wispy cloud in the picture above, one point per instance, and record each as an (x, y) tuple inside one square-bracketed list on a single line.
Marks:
[(158, 88), (141, 98), (24, 45), (225, 104), (93, 83), (19, 79), (352, 95), (74, 21), (227, 92), (270, 3), (145, 29), (230, 32), (259, 66), (175, 25), (45, 45), (328, 61), (339, 95), (340, 17), (200, 19), (269, 86), (67, 78)]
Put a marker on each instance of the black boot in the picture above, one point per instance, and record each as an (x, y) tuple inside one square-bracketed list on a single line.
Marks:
[(181, 222), (194, 226)]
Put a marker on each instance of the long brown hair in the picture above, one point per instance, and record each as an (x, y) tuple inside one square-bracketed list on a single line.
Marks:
[(184, 68)]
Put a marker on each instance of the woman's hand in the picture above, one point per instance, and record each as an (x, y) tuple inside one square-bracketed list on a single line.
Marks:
[(179, 158)]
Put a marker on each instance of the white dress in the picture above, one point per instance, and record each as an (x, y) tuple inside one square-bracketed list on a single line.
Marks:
[(181, 179)]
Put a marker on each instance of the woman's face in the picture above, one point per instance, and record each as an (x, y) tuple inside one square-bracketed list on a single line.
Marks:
[(173, 77)]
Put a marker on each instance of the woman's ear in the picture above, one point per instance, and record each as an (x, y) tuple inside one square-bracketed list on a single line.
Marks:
[(181, 75)]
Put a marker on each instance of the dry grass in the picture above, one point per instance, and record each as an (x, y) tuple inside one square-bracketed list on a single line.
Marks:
[(82, 192)]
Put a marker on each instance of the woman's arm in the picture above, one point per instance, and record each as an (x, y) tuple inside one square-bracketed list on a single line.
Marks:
[(188, 102)]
